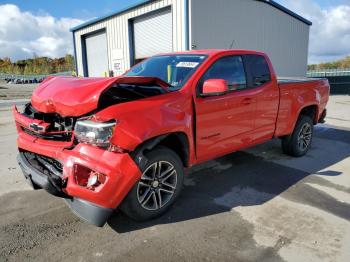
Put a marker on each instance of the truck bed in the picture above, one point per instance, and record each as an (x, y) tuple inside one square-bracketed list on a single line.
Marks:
[(292, 80), (295, 94)]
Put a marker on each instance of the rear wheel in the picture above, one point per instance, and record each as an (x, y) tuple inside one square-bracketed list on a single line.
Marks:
[(158, 188), (299, 142)]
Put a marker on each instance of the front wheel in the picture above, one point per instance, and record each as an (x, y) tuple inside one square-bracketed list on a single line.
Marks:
[(159, 186), (299, 142)]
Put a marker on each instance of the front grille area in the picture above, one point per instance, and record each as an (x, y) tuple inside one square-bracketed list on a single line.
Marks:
[(61, 137), (60, 128)]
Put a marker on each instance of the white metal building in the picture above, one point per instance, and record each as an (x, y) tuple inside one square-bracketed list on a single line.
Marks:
[(118, 40)]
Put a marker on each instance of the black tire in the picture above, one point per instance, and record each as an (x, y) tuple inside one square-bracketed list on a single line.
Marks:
[(138, 210), (291, 145)]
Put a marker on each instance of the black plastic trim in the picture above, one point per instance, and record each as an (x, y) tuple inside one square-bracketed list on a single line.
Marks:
[(89, 212), (322, 119), (35, 178)]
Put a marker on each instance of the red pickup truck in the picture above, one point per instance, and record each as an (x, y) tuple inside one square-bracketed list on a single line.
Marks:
[(108, 143)]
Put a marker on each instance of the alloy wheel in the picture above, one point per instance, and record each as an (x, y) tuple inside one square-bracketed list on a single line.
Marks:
[(157, 185), (304, 137)]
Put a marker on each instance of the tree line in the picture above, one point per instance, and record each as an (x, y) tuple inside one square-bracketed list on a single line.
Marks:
[(340, 64), (46, 65), (37, 65)]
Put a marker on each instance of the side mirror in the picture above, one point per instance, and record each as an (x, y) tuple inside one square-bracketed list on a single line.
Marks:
[(214, 87)]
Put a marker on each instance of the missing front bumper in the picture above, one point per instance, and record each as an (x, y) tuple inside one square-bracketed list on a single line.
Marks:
[(86, 210), (37, 179)]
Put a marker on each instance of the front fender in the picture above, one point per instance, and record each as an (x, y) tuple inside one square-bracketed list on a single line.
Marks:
[(142, 120)]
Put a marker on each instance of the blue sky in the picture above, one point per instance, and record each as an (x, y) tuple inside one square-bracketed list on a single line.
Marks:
[(71, 8), (41, 27), (88, 9)]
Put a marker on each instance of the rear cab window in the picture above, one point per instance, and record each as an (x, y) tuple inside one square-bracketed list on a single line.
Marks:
[(258, 70)]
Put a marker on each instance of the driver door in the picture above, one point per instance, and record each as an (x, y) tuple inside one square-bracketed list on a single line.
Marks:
[(224, 122)]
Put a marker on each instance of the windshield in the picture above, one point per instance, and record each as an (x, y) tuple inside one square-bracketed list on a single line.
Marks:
[(173, 69)]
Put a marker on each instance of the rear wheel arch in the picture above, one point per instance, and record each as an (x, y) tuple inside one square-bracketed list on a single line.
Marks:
[(310, 111)]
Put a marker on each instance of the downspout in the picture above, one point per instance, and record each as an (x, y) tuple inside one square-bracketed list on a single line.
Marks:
[(131, 43), (187, 26), (75, 54)]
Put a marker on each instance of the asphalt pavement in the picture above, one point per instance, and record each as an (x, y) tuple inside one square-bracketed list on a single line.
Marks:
[(254, 205)]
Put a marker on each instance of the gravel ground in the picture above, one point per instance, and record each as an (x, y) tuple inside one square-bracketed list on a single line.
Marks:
[(256, 205), (16, 91)]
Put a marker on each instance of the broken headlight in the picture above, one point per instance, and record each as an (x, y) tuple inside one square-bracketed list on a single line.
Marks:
[(94, 133)]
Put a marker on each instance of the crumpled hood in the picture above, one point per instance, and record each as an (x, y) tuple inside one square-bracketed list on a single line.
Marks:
[(69, 96), (73, 96)]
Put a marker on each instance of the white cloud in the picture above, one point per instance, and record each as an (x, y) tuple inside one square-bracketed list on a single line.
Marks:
[(330, 32), (23, 34)]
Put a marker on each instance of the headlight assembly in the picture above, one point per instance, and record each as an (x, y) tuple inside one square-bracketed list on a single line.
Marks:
[(94, 133)]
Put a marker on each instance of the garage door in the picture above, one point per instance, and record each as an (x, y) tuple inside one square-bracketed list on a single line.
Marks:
[(153, 34), (96, 54)]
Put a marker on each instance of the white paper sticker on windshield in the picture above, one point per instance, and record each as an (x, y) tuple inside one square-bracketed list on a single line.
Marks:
[(187, 64)]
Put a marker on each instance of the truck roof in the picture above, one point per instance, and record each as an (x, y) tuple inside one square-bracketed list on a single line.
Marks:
[(211, 52)]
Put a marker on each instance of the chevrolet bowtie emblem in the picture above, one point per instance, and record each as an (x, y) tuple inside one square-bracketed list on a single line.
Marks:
[(36, 127)]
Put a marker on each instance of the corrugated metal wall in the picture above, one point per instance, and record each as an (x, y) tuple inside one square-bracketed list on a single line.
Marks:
[(118, 33), (252, 25), (147, 27)]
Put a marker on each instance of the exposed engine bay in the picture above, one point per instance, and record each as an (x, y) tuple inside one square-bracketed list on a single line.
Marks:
[(58, 123), (122, 93)]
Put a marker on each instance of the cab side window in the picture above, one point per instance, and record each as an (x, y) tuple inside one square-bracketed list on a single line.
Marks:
[(231, 69), (259, 70)]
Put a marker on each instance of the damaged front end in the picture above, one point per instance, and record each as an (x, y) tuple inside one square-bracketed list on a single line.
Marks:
[(66, 145), (47, 126), (42, 172), (92, 180), (46, 173)]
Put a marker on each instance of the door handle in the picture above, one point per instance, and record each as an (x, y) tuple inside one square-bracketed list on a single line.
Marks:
[(247, 101)]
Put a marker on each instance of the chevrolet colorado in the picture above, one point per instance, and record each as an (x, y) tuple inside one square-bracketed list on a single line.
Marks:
[(108, 143)]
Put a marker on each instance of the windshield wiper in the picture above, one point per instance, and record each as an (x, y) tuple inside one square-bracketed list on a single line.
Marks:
[(132, 91), (144, 81)]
